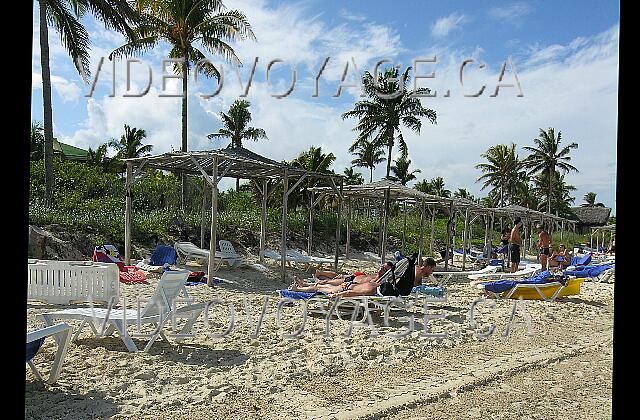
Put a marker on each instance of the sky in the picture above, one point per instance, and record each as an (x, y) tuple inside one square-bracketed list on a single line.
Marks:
[(560, 64)]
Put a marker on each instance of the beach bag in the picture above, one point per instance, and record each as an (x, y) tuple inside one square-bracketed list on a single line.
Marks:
[(400, 286)]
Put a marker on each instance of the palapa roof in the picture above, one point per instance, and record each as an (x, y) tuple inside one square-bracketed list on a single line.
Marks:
[(592, 216), (397, 191), (236, 162)]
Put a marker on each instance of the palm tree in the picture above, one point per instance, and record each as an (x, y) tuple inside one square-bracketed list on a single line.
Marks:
[(501, 171), (424, 186), (353, 178), (390, 104), (492, 200), (549, 158), (369, 154), (437, 188), (64, 16), (464, 194), (590, 200), (561, 192), (36, 140), (235, 127), (130, 144), (401, 172), (183, 23), (311, 160), (524, 193), (99, 157)]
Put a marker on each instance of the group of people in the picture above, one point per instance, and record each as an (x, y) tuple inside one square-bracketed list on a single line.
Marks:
[(359, 283), (547, 255)]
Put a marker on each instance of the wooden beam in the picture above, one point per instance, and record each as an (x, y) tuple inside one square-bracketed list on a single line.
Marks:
[(127, 215), (214, 223)]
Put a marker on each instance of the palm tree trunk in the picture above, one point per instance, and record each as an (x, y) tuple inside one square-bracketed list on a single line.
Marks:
[(550, 188), (389, 161), (237, 184), (46, 101), (371, 175), (183, 148)]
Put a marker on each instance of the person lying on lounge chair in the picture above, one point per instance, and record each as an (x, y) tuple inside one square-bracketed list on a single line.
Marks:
[(364, 285), (333, 278)]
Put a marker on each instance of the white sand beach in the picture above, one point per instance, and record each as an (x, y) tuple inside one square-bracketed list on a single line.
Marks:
[(563, 369)]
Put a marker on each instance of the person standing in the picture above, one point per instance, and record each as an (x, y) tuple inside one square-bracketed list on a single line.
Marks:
[(544, 246), (515, 241)]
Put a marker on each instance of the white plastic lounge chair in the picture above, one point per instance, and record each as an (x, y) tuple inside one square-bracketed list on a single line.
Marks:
[(486, 270), (188, 250), (501, 276), (290, 258), (156, 312), (230, 256), (62, 334), (309, 259)]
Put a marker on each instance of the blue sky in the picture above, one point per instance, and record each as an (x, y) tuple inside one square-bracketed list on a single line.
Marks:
[(565, 56)]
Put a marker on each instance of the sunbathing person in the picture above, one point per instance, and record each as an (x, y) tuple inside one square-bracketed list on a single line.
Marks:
[(331, 277), (559, 258), (365, 286)]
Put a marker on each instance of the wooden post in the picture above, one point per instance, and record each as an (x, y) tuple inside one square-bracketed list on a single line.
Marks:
[(310, 239), (433, 227), (380, 233), (127, 215), (464, 238), (347, 245), (203, 212), (404, 225), (421, 245), (335, 263), (214, 221), (263, 220), (451, 220), (283, 236), (383, 253)]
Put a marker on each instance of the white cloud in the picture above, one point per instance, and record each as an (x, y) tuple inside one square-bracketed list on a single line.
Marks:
[(511, 12), (444, 25)]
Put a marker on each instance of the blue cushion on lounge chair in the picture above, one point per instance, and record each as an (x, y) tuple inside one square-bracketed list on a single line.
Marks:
[(163, 254), (33, 347), (500, 286)]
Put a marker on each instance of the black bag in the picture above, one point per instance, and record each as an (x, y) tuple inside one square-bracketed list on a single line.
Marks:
[(401, 286)]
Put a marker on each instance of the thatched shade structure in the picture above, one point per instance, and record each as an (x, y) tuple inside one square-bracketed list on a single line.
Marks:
[(591, 216), (236, 162)]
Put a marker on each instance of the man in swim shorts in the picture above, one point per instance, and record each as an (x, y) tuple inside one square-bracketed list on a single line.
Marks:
[(515, 241), (544, 246)]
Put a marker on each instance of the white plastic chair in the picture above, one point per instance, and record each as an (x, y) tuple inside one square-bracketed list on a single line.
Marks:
[(62, 334), (156, 312)]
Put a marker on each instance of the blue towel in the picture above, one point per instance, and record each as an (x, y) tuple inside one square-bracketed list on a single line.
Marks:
[(500, 286), (163, 254), (585, 260), (498, 262), (588, 270), (428, 290), (286, 293), (33, 347)]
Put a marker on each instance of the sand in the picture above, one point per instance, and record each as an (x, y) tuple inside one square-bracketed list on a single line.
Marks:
[(563, 368)]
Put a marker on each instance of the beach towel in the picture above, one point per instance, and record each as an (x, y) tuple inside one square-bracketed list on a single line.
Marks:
[(500, 286), (286, 293), (428, 290), (128, 274), (584, 260), (588, 270)]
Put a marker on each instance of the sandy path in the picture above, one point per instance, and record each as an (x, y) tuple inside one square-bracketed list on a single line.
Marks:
[(328, 377)]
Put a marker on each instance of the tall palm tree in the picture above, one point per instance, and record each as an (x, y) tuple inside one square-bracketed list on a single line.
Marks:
[(353, 178), (560, 190), (130, 144), (437, 188), (401, 172), (369, 154), (234, 127), (390, 104), (524, 193), (502, 170), (36, 141), (64, 16), (548, 158), (590, 200), (183, 24)]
